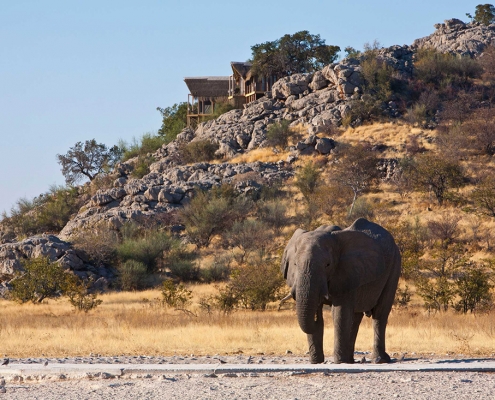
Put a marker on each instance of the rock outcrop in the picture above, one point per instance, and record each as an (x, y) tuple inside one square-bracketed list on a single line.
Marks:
[(56, 250), (456, 37)]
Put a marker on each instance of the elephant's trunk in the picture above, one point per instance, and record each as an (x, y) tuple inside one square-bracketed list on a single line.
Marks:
[(311, 290)]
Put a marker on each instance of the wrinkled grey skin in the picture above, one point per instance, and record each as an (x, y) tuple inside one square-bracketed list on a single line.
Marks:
[(356, 271)]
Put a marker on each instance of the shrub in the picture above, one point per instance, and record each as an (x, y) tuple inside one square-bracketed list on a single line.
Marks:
[(252, 286), (49, 212), (273, 213), (218, 270), (279, 133), (249, 235), (208, 215), (99, 244), (79, 295), (142, 166), (433, 173), (473, 287), (132, 275), (174, 119), (175, 295), (307, 179), (41, 279), (148, 143), (402, 297), (197, 151), (483, 195), (441, 70), (147, 249)]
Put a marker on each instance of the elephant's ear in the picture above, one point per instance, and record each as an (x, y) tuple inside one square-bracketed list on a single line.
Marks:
[(287, 264), (360, 261)]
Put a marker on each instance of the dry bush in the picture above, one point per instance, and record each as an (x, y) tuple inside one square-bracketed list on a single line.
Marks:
[(262, 155), (98, 243)]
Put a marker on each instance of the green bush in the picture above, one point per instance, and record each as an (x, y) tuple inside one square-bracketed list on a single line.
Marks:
[(209, 214), (181, 263), (252, 286), (474, 289), (308, 178), (148, 249), (175, 295), (441, 70), (219, 270), (133, 275), (49, 212), (174, 119), (148, 143), (40, 280), (197, 151), (279, 133), (273, 213), (80, 296)]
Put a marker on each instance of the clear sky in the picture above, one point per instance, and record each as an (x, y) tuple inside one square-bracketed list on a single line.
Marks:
[(77, 70)]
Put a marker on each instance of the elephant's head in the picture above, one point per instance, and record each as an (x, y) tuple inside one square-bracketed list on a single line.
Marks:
[(320, 265)]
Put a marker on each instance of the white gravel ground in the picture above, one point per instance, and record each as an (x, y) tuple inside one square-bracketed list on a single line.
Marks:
[(278, 385)]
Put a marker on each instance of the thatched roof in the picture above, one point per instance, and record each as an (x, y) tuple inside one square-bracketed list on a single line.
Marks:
[(208, 86), (241, 68)]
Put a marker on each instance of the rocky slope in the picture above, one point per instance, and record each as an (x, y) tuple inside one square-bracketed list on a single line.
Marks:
[(316, 101)]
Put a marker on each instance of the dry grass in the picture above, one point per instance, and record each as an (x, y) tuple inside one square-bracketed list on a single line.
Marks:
[(263, 155), (131, 323), (394, 135)]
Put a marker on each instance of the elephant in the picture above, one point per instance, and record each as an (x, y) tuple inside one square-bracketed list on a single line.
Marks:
[(354, 270)]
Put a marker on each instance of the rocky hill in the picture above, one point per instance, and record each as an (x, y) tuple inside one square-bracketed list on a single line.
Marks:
[(317, 102)]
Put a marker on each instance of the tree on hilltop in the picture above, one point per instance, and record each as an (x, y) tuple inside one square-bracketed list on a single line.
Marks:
[(298, 53), (485, 14), (87, 160)]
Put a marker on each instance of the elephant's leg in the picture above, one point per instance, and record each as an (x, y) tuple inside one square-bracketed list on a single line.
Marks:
[(379, 354), (343, 345), (315, 340), (355, 328)]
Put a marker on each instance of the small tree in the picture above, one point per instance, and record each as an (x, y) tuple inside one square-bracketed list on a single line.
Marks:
[(298, 53), (483, 195), (485, 14), (197, 151), (174, 119), (40, 280), (175, 295), (79, 294), (432, 173), (357, 171), (308, 178), (473, 288), (252, 286), (212, 213), (278, 134), (87, 160)]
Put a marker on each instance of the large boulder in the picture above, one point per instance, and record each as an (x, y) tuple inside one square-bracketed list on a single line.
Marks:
[(291, 85)]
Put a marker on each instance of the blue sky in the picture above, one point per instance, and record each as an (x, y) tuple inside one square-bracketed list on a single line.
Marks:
[(77, 70)]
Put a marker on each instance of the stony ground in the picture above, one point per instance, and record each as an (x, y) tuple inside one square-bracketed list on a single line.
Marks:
[(369, 385)]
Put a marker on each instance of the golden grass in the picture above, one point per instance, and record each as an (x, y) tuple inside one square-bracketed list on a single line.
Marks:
[(263, 155), (394, 135), (131, 324)]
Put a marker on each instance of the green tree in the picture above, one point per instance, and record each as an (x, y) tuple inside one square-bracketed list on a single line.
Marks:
[(88, 160), (212, 213), (473, 288), (174, 119), (308, 178), (298, 53), (279, 133), (41, 279), (432, 173), (485, 14), (357, 171)]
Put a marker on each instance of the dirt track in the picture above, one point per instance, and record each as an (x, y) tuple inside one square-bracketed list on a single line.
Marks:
[(276, 385)]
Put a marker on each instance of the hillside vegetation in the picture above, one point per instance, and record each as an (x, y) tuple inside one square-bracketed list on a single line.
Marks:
[(413, 151)]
